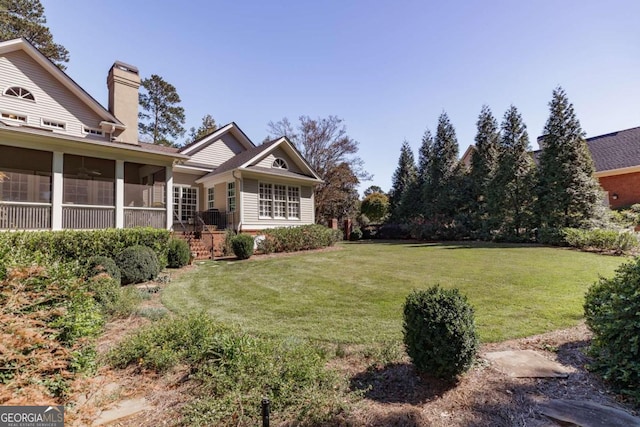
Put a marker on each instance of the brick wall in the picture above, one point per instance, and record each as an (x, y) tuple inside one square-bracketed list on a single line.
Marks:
[(626, 187)]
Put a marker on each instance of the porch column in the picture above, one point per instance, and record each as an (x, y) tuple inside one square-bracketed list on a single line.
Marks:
[(169, 198), (57, 190), (119, 193)]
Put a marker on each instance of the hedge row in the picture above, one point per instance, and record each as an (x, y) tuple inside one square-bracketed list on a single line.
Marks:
[(600, 239), (68, 245), (291, 239)]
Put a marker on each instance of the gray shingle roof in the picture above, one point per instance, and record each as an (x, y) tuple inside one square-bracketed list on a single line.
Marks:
[(616, 150)]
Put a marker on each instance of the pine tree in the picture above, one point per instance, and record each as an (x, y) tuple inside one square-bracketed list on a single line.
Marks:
[(207, 127), (483, 164), (439, 201), (403, 180), (160, 105), (568, 193), (25, 18), (511, 192)]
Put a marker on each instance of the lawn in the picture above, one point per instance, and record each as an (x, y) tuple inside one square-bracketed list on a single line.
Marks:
[(355, 294)]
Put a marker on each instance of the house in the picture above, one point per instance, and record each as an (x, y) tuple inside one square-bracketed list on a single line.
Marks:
[(616, 157), (67, 162)]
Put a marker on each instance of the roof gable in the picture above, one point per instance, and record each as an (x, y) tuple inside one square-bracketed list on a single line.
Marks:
[(231, 128), (21, 44)]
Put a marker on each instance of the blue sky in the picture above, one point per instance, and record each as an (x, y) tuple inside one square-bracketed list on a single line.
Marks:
[(388, 68)]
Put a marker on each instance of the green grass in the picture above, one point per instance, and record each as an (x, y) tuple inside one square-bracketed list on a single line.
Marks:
[(355, 295)]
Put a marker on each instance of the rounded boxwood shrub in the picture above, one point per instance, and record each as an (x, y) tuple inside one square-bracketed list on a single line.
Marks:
[(179, 253), (102, 264), (137, 264), (612, 312), (439, 332), (242, 245)]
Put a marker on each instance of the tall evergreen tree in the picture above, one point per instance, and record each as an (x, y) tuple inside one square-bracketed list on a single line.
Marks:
[(568, 193), (511, 192), (444, 157), (207, 127), (25, 18), (483, 164), (403, 180), (421, 193), (160, 107)]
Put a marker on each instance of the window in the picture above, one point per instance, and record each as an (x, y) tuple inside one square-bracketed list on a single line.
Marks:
[(265, 199), (185, 202), (92, 131), (278, 201), (279, 163), (17, 117), (19, 92), (231, 196), (293, 202), (211, 198), (53, 124)]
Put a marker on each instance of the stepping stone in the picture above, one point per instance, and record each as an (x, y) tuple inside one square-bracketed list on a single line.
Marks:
[(527, 364), (587, 414), (124, 409)]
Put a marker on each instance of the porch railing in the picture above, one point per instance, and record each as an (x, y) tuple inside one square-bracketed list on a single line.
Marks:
[(25, 216), (88, 217), (215, 219), (145, 217)]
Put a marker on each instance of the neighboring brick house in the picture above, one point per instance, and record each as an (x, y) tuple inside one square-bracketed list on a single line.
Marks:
[(616, 157)]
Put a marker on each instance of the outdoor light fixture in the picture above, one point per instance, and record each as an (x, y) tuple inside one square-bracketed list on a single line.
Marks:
[(614, 196)]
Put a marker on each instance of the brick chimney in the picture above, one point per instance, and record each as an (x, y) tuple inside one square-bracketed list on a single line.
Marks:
[(123, 82)]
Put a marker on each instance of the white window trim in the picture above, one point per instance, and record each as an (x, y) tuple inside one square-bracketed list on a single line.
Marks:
[(175, 206), (87, 130), (286, 165), (53, 124), (235, 196), (211, 198), (286, 202), (8, 113), (4, 93)]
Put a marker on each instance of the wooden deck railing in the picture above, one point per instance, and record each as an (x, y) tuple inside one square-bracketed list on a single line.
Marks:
[(88, 217), (25, 216), (145, 217)]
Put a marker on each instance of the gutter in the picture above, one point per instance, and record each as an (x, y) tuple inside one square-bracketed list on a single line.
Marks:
[(233, 174)]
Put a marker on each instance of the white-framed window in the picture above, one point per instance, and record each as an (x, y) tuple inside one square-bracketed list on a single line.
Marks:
[(54, 124), (185, 202), (14, 116), (293, 202), (211, 198), (19, 92), (92, 131), (231, 196), (265, 200), (280, 163), (278, 201)]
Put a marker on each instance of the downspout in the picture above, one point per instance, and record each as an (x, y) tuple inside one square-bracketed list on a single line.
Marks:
[(238, 200)]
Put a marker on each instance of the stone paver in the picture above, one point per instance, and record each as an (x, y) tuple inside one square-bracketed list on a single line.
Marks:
[(123, 409), (527, 364)]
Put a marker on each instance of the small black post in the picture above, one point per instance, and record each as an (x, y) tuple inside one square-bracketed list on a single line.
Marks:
[(265, 412)]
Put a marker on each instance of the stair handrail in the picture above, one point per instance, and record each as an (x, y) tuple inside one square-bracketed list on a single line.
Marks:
[(205, 227)]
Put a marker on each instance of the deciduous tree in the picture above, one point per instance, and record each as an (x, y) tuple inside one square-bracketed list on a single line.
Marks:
[(375, 206), (568, 193), (25, 18), (161, 110)]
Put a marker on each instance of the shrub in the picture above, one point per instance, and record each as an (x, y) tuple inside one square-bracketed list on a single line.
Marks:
[(243, 246), (137, 264), (179, 253), (612, 312), (439, 332), (550, 236), (599, 239), (113, 299), (394, 231), (292, 239), (235, 371), (100, 264), (227, 248), (356, 234)]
